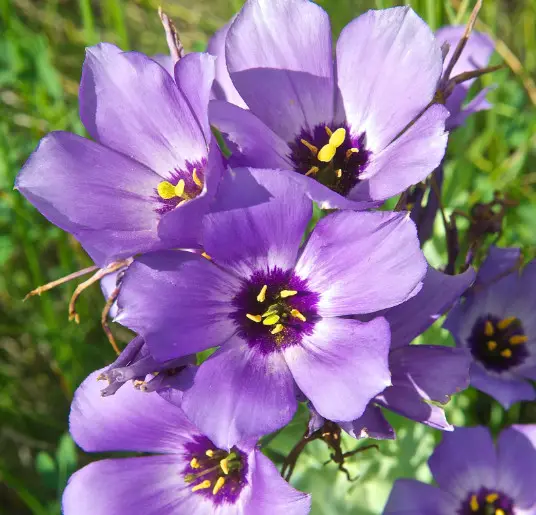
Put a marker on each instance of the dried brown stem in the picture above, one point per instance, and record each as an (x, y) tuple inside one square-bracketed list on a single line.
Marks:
[(176, 49), (104, 318)]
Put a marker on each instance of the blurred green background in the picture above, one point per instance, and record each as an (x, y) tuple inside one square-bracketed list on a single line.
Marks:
[(43, 357)]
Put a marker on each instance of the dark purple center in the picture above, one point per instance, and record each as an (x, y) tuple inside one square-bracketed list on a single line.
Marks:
[(214, 473), (193, 176), (499, 344), (341, 173), (275, 310), (486, 502)]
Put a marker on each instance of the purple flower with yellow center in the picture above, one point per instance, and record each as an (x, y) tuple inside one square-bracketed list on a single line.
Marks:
[(474, 476), (422, 376), (278, 310), (149, 176), (351, 133), (496, 324), (185, 473)]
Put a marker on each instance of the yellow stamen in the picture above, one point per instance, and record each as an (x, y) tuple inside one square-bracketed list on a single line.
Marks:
[(261, 297), (312, 170), (277, 329), (217, 487), (196, 178), (327, 153), (506, 353), (271, 320), (329, 132), (194, 463), (271, 311), (351, 151), (202, 486), (338, 137), (505, 322), (474, 503), (488, 328), (312, 148), (179, 189), (287, 293), (166, 190), (517, 339), (254, 318), (209, 453), (498, 511), (491, 498), (205, 255), (224, 464), (492, 345), (338, 173), (295, 313)]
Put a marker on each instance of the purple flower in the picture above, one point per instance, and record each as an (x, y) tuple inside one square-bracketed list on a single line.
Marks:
[(147, 180), (421, 375), (475, 55), (496, 324), (185, 473), (338, 129), (474, 477), (278, 311)]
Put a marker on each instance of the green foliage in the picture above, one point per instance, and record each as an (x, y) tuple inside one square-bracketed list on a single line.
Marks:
[(43, 357)]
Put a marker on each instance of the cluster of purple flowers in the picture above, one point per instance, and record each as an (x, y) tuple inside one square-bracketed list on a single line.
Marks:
[(225, 257)]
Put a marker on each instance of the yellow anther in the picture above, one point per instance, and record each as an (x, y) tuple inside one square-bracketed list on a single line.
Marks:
[(277, 329), (351, 151), (196, 178), (312, 148), (202, 486), (474, 503), (329, 132), (217, 487), (194, 463), (166, 190), (296, 314), (224, 464), (209, 453), (287, 293), (179, 189), (505, 322), (338, 173), (327, 153), (261, 297), (254, 318), (271, 311), (271, 320), (506, 353), (312, 170), (517, 339), (488, 328), (205, 255), (492, 345), (491, 498), (337, 138), (498, 511)]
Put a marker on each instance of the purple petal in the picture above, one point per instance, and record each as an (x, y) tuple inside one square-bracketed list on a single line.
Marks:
[(271, 494), (100, 196), (439, 292), (130, 103), (409, 497), (263, 236), (250, 141), (506, 389), (372, 424), (130, 420), (179, 302), (240, 393), (279, 56), (479, 103), (223, 87), (138, 486), (341, 366), (388, 66), (194, 75), (498, 263), (465, 461), (406, 161), (166, 62), (516, 455), (362, 262)]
